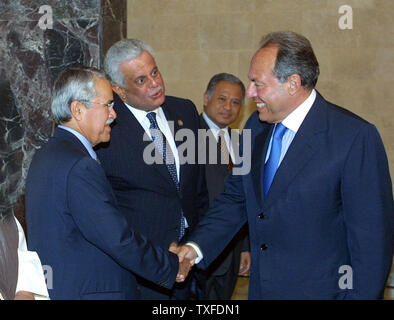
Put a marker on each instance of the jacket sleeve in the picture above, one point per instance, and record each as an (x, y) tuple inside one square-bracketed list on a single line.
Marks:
[(93, 208), (368, 212)]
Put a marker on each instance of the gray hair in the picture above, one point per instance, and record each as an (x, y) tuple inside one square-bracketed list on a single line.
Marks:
[(121, 51), (295, 56), (76, 83), (230, 78)]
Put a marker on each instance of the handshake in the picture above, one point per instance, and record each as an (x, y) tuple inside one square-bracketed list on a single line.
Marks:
[(187, 256)]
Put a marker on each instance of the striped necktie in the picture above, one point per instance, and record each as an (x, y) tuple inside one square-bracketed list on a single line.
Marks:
[(224, 153), (168, 157)]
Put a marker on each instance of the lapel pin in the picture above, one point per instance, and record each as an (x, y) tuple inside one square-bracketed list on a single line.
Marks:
[(180, 123)]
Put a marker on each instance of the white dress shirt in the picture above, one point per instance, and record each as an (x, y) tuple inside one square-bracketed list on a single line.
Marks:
[(30, 273)]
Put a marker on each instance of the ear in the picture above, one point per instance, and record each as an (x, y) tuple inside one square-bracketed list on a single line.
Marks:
[(77, 109), (119, 91), (206, 99), (294, 83)]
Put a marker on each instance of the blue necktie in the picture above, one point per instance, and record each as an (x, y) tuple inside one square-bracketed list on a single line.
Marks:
[(161, 144), (272, 163)]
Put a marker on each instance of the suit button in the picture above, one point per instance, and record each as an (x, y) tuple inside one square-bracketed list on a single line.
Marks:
[(261, 216), (263, 247)]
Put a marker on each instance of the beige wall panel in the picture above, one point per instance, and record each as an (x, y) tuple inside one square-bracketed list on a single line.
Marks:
[(194, 39)]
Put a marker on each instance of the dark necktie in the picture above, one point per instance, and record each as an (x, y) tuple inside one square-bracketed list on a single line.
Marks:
[(168, 157), (224, 153), (272, 163)]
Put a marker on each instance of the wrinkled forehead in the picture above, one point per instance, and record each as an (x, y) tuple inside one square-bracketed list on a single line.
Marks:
[(142, 63), (103, 88), (263, 62)]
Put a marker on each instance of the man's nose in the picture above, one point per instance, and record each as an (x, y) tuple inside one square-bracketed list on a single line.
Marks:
[(227, 104), (154, 81), (251, 91)]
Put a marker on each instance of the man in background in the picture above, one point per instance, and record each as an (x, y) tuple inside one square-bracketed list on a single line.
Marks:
[(72, 217), (160, 199), (223, 99)]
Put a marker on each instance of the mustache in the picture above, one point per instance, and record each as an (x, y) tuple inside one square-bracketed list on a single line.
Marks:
[(155, 91), (109, 121)]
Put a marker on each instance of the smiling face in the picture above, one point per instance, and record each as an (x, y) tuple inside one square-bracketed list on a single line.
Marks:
[(225, 103), (144, 86), (94, 119), (271, 96)]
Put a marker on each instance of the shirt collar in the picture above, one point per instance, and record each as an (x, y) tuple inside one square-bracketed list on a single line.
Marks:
[(213, 126), (83, 140), (140, 114), (294, 120)]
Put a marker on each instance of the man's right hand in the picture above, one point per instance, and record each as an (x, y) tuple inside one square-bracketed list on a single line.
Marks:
[(184, 252)]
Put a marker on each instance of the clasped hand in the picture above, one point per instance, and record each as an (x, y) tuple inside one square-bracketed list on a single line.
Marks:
[(187, 256)]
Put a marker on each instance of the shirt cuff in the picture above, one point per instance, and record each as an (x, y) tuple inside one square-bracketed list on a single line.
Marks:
[(198, 251)]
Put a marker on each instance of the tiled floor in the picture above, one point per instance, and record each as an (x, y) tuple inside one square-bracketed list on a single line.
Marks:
[(241, 290)]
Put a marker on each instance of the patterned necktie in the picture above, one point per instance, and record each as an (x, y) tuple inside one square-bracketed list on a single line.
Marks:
[(168, 157), (224, 153), (272, 163)]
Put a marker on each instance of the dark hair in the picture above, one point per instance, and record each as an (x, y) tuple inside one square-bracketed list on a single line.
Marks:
[(295, 56), (224, 77)]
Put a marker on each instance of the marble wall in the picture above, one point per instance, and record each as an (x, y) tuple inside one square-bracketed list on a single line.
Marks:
[(35, 45)]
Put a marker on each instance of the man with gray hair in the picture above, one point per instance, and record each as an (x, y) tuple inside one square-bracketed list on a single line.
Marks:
[(161, 199), (72, 217), (318, 198)]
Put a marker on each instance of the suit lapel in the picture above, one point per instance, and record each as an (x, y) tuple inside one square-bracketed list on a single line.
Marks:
[(305, 144), (259, 151), (175, 124)]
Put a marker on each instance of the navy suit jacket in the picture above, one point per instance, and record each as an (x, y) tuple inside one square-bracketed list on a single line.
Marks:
[(146, 194), (77, 230), (330, 205), (215, 173)]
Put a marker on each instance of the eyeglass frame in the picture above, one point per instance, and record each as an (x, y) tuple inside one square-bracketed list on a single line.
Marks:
[(108, 105)]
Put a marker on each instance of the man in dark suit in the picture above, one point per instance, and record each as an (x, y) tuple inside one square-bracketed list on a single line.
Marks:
[(72, 218), (223, 98), (160, 196), (318, 198)]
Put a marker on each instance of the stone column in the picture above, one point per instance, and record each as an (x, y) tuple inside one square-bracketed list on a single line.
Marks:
[(38, 39)]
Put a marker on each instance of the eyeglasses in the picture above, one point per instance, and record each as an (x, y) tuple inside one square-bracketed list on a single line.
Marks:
[(108, 105)]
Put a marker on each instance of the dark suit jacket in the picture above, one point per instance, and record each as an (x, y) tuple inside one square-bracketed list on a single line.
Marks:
[(215, 173), (76, 228), (330, 205), (146, 194)]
